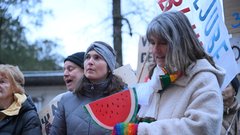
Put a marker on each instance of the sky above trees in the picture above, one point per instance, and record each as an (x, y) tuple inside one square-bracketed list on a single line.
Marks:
[(75, 24)]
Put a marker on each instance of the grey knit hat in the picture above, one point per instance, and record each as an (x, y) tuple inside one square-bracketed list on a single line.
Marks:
[(106, 51)]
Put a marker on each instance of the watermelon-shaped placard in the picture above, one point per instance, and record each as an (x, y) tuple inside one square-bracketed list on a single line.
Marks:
[(113, 109)]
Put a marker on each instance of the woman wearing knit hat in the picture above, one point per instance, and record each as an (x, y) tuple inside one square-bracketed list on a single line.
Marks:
[(231, 114), (98, 81), (73, 70)]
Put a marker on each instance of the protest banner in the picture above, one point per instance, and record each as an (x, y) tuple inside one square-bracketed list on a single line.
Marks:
[(46, 115), (145, 59), (207, 21), (232, 21)]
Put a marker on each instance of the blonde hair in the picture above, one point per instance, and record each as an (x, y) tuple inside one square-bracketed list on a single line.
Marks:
[(15, 76)]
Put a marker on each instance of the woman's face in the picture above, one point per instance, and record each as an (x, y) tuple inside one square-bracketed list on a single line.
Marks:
[(228, 95), (6, 92), (72, 74), (159, 50), (95, 67)]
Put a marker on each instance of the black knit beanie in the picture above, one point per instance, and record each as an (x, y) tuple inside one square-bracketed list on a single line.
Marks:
[(235, 84), (77, 58)]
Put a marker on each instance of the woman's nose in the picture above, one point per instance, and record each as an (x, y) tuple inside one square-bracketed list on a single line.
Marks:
[(91, 60)]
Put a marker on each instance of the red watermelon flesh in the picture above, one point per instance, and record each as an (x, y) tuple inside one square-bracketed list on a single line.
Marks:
[(113, 109)]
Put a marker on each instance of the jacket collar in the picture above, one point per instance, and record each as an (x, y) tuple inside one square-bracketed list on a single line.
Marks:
[(15, 107), (201, 65)]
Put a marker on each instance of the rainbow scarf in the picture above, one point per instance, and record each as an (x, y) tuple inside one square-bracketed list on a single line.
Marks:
[(167, 78), (149, 113)]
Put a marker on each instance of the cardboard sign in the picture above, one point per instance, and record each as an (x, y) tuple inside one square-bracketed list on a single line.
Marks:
[(232, 16), (127, 74), (145, 59), (46, 115)]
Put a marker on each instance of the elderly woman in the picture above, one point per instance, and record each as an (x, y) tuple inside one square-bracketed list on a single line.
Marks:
[(98, 81), (18, 115), (73, 70)]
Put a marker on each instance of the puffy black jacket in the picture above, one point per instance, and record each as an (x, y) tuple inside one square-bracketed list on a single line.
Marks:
[(25, 123)]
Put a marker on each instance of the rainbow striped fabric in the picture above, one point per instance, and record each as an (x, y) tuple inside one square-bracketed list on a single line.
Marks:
[(167, 79), (125, 129)]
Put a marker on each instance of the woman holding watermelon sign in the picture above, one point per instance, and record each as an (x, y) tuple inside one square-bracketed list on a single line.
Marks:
[(97, 82), (186, 99)]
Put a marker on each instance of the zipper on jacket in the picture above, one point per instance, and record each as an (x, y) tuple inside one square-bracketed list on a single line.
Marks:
[(92, 87)]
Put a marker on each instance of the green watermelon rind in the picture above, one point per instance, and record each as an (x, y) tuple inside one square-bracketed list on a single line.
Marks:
[(131, 117), (134, 118)]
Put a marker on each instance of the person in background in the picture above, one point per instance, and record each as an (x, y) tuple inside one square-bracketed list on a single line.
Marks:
[(231, 115), (186, 97), (18, 115), (98, 81), (73, 70)]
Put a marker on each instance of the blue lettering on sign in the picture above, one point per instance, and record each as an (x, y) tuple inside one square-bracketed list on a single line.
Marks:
[(203, 17), (207, 31), (195, 4), (224, 46), (237, 17), (215, 37), (212, 28)]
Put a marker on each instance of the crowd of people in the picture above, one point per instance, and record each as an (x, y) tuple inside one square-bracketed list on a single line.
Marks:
[(190, 103)]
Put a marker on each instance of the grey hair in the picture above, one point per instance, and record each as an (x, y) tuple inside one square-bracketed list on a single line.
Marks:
[(184, 48)]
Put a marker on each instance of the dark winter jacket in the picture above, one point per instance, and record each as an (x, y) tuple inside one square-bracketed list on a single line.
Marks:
[(72, 119), (25, 123), (231, 119)]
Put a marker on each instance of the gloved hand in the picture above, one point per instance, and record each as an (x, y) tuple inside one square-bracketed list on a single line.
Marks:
[(125, 129)]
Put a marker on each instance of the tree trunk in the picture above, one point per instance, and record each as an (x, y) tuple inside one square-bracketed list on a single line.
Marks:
[(117, 30)]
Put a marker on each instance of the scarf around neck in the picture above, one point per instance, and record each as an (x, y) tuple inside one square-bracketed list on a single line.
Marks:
[(15, 107), (149, 112)]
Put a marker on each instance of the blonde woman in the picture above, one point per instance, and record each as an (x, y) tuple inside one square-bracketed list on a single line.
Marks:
[(18, 115)]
